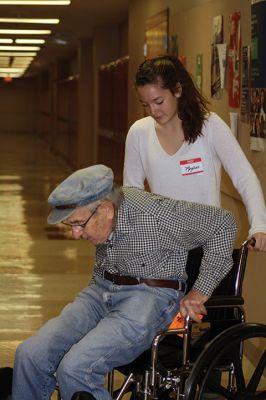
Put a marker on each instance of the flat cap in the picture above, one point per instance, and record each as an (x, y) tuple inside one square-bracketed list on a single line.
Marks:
[(83, 187)]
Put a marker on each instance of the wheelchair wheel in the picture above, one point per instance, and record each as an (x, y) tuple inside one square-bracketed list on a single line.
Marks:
[(226, 353)]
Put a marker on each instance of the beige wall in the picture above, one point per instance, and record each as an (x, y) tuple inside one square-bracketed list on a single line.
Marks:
[(191, 21)]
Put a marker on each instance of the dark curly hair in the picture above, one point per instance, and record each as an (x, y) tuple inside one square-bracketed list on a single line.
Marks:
[(168, 72)]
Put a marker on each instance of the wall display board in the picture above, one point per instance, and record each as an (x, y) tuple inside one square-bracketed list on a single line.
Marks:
[(258, 76), (156, 34), (217, 37), (245, 90), (234, 49), (199, 59), (222, 49)]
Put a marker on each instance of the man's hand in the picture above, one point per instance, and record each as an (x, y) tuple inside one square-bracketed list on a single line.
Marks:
[(193, 304), (260, 244)]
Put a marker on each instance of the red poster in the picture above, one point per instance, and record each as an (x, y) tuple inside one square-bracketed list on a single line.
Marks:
[(234, 61)]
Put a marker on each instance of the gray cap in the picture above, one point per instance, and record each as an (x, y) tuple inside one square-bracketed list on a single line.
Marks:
[(83, 187)]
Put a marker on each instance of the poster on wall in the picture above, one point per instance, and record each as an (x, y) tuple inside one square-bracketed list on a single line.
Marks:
[(233, 62), (221, 47), (156, 34), (245, 73), (258, 76), (217, 38), (199, 58)]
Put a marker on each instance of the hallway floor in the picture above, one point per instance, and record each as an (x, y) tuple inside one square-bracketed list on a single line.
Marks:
[(41, 267)]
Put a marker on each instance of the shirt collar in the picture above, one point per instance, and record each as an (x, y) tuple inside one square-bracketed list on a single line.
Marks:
[(122, 225)]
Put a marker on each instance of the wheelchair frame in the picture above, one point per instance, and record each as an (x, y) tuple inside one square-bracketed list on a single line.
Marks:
[(186, 381)]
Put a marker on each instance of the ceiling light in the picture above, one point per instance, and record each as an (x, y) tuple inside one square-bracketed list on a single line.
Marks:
[(36, 2), (29, 41), (18, 62), (25, 31), (4, 63), (19, 48), (19, 59), (17, 54), (24, 67), (11, 75), (21, 65), (30, 20), (8, 70), (6, 40)]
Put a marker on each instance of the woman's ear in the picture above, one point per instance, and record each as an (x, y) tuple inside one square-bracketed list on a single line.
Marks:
[(178, 90)]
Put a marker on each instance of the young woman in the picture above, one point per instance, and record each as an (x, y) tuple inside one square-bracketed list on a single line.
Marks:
[(181, 146)]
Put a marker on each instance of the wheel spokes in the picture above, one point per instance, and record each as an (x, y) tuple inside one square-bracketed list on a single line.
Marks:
[(228, 349), (261, 396), (238, 370), (255, 379)]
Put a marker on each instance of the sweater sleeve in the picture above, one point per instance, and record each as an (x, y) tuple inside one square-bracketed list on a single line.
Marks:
[(241, 173), (133, 174), (217, 256)]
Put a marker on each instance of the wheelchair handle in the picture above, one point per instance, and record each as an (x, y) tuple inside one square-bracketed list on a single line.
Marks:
[(249, 242), (242, 261)]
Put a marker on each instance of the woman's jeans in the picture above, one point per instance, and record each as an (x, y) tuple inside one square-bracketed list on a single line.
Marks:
[(106, 326)]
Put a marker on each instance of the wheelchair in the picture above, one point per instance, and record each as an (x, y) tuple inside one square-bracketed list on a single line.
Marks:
[(196, 360), (202, 361)]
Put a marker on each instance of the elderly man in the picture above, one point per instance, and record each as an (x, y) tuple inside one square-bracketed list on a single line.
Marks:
[(142, 241)]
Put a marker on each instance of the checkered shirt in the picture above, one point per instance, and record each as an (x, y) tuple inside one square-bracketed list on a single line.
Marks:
[(153, 235)]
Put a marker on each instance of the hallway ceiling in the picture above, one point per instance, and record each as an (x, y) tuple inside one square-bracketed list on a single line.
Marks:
[(76, 20)]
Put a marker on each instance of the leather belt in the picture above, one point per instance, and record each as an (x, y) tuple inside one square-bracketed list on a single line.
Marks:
[(130, 280)]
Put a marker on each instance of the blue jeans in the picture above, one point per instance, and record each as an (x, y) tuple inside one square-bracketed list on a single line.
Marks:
[(106, 326)]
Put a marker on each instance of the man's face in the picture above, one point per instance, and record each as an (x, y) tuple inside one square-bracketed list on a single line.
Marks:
[(94, 226)]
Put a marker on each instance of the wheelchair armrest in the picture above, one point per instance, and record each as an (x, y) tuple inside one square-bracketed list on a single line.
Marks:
[(224, 301)]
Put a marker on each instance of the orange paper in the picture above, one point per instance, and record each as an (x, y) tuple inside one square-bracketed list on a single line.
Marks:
[(178, 322)]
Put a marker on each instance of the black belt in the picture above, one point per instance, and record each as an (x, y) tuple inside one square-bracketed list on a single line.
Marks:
[(129, 280)]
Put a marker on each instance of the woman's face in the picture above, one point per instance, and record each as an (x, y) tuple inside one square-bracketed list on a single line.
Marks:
[(159, 103)]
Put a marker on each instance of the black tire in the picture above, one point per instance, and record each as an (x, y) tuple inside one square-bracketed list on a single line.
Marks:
[(227, 346)]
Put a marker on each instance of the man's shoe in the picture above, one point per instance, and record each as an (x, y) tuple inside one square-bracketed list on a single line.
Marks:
[(210, 396), (6, 375), (82, 396)]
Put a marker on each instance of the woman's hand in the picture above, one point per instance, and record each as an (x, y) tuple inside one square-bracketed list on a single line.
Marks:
[(260, 244)]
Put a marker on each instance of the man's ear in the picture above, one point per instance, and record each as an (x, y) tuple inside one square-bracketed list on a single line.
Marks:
[(110, 210)]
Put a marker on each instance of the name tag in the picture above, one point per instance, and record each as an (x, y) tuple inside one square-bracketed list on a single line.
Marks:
[(192, 166)]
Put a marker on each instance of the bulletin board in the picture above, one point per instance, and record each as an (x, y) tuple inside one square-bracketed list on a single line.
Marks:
[(156, 34)]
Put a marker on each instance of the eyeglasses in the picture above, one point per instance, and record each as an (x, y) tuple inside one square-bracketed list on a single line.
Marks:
[(82, 226)]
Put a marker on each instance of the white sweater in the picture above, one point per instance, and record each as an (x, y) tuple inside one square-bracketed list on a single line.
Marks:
[(193, 173)]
